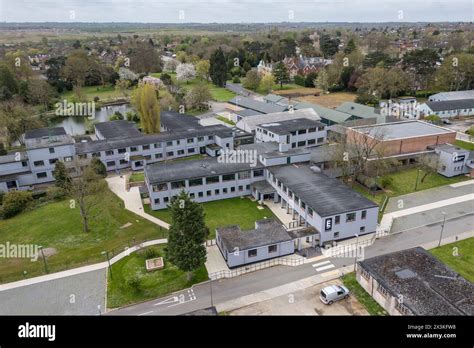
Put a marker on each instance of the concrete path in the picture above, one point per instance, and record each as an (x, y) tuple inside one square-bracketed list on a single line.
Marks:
[(459, 194), (79, 270), (131, 199)]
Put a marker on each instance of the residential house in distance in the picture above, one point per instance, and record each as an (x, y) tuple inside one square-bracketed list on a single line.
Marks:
[(414, 282), (305, 65), (448, 108)]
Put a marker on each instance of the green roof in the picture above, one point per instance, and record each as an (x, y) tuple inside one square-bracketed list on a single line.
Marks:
[(358, 110), (326, 113)]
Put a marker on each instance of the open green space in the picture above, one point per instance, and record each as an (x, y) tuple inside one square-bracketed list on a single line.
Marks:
[(459, 256), (226, 120), (232, 211), (404, 181), (130, 282), (465, 145), (103, 92), (57, 225), (219, 94), (361, 295), (137, 177)]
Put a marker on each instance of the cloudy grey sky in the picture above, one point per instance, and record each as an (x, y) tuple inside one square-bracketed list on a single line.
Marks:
[(235, 11)]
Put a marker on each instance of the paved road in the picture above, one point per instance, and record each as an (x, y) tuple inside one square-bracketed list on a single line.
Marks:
[(79, 294), (229, 289)]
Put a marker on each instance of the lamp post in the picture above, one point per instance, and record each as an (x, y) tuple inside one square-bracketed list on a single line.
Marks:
[(357, 249), (210, 286), (442, 228), (44, 259), (108, 260), (417, 176)]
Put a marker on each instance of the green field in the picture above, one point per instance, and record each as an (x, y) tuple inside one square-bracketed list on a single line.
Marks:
[(149, 285), (226, 120), (232, 211), (403, 181), (56, 225), (219, 94), (459, 256), (465, 145), (104, 93), (137, 177), (362, 296)]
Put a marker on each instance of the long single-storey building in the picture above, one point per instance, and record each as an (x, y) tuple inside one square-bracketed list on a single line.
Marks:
[(414, 282)]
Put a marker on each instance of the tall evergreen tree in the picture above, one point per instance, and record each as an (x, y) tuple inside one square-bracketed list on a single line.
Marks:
[(187, 234), (218, 68), (61, 176), (281, 73)]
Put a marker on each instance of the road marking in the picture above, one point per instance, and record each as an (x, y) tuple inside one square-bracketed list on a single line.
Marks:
[(181, 302), (462, 183), (320, 263), (330, 273), (319, 269), (145, 313), (167, 301)]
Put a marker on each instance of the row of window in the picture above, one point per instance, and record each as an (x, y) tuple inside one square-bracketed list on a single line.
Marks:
[(208, 193), (191, 150), (209, 180), (51, 161), (254, 252), (304, 143)]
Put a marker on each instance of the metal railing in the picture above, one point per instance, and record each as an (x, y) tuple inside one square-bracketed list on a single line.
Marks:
[(255, 267)]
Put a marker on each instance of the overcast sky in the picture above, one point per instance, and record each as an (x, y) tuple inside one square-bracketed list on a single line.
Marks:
[(235, 11)]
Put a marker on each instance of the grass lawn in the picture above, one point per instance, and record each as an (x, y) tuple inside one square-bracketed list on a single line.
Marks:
[(150, 284), (465, 145), (56, 225), (135, 177), (463, 263), (104, 93), (403, 181), (226, 120), (232, 211), (330, 100), (219, 94), (362, 296)]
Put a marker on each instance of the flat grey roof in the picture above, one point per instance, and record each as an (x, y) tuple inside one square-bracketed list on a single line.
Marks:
[(175, 171), (454, 95), (284, 127), (326, 196), (44, 132), (143, 139), (11, 157), (451, 104), (427, 285), (267, 232), (117, 129), (175, 121), (402, 130), (47, 137), (250, 103), (323, 112), (263, 187), (449, 148), (247, 112), (254, 121), (358, 110)]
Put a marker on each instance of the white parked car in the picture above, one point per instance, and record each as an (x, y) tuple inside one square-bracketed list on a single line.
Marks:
[(333, 293)]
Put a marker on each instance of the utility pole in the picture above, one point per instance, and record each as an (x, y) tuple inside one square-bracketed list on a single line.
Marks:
[(357, 251), (44, 260), (108, 260), (442, 228)]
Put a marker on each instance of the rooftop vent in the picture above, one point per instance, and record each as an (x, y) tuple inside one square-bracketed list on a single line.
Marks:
[(405, 274)]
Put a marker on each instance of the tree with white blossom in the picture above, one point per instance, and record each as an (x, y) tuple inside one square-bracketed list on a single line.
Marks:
[(185, 72)]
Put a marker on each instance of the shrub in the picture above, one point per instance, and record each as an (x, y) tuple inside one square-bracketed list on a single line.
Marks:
[(96, 99), (134, 282), (55, 193), (150, 253), (236, 79), (386, 181), (98, 167), (299, 80), (15, 202)]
